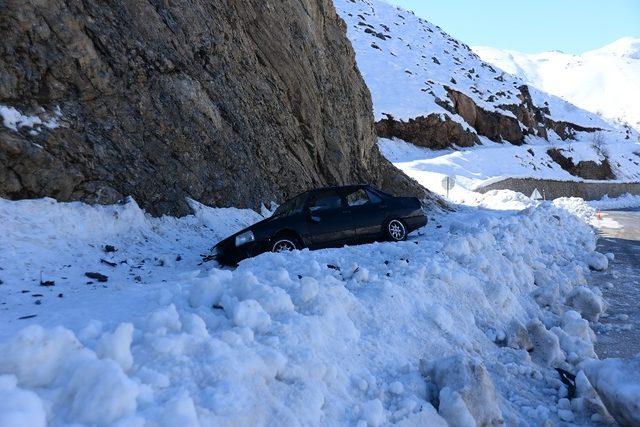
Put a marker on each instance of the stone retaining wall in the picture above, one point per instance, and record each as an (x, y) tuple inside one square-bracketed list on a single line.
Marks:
[(552, 189)]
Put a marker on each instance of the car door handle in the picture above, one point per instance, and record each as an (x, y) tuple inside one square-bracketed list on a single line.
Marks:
[(346, 211)]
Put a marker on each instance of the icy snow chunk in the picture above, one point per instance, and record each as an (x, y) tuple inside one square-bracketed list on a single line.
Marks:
[(19, 408), (373, 413), (588, 402), (546, 345), (308, 289), (152, 377), (101, 392), (547, 295), (92, 331), (249, 313), (617, 382), (195, 326), (36, 355), (467, 394), (117, 346), (165, 318), (360, 274), (428, 416), (440, 316), (396, 387), (565, 415), (598, 261), (576, 337), (518, 336), (180, 412), (587, 303), (610, 256), (272, 299), (207, 291), (453, 409), (95, 391)]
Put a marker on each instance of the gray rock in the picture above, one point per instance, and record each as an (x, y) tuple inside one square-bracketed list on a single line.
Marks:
[(227, 103)]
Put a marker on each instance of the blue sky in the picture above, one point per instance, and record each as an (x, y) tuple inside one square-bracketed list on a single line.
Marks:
[(572, 26)]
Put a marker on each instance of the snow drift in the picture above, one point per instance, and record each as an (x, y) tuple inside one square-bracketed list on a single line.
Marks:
[(371, 334)]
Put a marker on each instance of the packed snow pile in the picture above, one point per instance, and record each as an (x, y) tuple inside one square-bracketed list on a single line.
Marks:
[(463, 323)]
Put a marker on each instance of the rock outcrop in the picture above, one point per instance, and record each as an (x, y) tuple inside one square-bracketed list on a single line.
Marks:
[(586, 169), (492, 124), (508, 122), (433, 131), (226, 102)]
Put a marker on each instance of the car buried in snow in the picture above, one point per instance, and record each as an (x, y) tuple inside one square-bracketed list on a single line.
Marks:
[(326, 217)]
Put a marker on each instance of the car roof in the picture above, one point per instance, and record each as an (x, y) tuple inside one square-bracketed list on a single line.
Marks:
[(332, 188), (340, 187)]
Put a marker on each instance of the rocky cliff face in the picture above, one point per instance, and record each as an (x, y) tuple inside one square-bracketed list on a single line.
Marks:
[(227, 102)]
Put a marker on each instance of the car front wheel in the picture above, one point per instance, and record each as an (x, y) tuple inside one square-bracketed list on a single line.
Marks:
[(284, 245), (396, 230)]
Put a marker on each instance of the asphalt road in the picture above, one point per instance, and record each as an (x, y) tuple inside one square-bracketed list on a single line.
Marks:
[(619, 332)]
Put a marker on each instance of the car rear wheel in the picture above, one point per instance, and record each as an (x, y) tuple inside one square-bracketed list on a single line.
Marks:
[(396, 230), (284, 244)]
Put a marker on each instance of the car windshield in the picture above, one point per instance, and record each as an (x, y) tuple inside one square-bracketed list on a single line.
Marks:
[(291, 206)]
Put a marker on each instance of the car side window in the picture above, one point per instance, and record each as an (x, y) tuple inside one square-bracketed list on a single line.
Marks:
[(373, 197), (358, 198), (325, 201)]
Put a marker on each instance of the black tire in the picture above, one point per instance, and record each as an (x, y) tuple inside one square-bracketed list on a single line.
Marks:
[(285, 243), (396, 230)]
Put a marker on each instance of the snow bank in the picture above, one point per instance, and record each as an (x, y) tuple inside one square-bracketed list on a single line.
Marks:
[(622, 202), (333, 336), (578, 207)]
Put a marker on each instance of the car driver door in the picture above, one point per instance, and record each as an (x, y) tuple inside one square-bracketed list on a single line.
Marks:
[(327, 225), (367, 213)]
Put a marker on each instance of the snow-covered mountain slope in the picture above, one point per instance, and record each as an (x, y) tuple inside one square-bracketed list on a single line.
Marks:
[(442, 96), (470, 317), (414, 69), (605, 81)]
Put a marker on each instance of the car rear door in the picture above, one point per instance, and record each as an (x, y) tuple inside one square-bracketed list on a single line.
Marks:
[(367, 212), (328, 225)]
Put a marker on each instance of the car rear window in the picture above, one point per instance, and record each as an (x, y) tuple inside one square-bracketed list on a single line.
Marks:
[(361, 197)]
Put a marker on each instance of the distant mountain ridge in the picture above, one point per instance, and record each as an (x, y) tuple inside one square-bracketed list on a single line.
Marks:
[(605, 81)]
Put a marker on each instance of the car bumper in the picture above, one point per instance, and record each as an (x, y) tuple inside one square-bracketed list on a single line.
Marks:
[(227, 253), (415, 222)]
